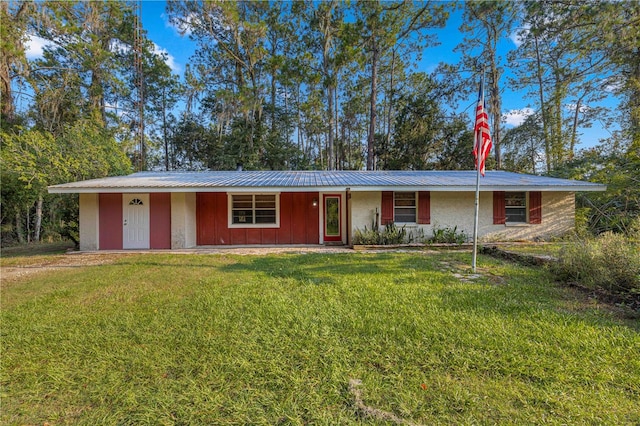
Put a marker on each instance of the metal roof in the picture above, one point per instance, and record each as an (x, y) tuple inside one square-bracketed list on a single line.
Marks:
[(276, 181)]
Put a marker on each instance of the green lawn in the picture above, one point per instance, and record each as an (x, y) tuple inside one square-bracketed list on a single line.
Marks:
[(215, 339)]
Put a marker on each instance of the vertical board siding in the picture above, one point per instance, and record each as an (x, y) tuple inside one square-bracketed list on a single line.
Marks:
[(110, 221), (283, 234), (299, 222), (386, 209), (312, 216), (204, 224), (424, 207), (535, 207), (160, 220), (499, 212)]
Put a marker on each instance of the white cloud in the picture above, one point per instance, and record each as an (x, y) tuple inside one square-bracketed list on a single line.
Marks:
[(516, 117), (583, 108), (34, 47), (518, 36), (181, 27), (117, 46), (170, 60)]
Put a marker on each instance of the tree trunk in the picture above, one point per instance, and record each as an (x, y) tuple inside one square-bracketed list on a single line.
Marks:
[(330, 142), (19, 231), (28, 226), (496, 110), (38, 224), (164, 129), (372, 112), (543, 107), (574, 130)]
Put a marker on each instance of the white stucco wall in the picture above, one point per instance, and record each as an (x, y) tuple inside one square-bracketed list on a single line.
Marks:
[(363, 209), (456, 209), (558, 218), (183, 220), (89, 223)]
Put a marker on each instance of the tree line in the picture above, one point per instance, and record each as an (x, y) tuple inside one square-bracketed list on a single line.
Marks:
[(312, 85)]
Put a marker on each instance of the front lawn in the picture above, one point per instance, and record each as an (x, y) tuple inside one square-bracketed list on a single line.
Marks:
[(215, 339)]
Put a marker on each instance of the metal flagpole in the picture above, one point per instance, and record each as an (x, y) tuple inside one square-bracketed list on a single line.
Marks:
[(478, 146)]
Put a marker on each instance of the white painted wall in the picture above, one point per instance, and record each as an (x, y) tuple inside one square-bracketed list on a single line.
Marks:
[(89, 223), (363, 209), (456, 209), (183, 220)]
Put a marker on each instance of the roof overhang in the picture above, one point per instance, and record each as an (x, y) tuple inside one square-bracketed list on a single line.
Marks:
[(322, 181)]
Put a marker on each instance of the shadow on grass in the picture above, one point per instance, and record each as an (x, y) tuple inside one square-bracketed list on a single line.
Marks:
[(523, 291), (302, 266)]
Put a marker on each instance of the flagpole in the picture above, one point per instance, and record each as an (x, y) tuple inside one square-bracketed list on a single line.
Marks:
[(478, 144), (475, 221)]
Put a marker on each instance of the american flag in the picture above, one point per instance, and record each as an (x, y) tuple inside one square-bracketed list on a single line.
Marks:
[(482, 137)]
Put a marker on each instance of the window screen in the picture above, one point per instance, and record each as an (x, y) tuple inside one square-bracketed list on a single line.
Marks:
[(252, 209), (404, 207)]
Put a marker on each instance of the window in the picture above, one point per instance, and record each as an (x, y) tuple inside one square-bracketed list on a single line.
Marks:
[(253, 210), (404, 207), (515, 206)]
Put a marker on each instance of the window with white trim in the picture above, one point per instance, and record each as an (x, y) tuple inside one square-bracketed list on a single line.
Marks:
[(404, 207), (515, 206), (253, 210)]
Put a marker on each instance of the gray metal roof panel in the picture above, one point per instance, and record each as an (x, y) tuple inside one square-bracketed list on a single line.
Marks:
[(433, 180)]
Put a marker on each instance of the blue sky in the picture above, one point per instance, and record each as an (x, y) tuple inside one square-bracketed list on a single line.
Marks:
[(179, 49)]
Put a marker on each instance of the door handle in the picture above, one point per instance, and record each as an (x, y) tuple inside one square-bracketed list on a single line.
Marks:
[(125, 222)]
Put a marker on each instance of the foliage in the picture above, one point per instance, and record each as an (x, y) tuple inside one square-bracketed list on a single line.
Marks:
[(448, 235), (618, 208), (610, 261), (31, 160), (222, 339), (390, 235)]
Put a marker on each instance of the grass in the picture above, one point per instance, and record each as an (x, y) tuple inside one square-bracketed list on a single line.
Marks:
[(26, 254), (542, 249), (214, 339)]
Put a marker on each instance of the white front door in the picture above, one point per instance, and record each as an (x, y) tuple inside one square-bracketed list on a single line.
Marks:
[(135, 216)]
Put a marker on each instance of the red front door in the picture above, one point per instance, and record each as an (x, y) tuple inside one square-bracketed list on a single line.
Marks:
[(332, 217)]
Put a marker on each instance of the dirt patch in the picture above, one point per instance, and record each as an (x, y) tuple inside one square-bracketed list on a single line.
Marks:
[(63, 261), (34, 266)]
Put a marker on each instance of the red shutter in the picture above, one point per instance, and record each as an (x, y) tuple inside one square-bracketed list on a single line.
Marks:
[(535, 207), (424, 207), (387, 207), (499, 214)]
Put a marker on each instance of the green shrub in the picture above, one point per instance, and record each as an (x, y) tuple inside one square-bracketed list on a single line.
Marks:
[(448, 235), (610, 261), (390, 235)]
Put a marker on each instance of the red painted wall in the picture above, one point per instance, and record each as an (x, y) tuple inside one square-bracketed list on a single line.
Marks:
[(110, 221), (299, 221), (160, 220)]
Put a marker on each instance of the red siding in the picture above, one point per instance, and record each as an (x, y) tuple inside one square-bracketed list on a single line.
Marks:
[(160, 220), (299, 222), (424, 207), (110, 221), (499, 213), (386, 213), (283, 235), (535, 207)]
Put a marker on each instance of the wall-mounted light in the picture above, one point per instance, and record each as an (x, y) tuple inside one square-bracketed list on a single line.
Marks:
[(314, 203)]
